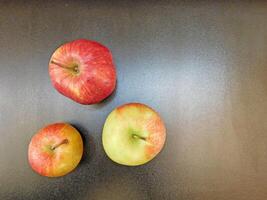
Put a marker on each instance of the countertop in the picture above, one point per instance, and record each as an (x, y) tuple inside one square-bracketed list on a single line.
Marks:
[(201, 64)]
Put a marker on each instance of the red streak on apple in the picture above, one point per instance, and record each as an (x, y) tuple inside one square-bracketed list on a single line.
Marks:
[(157, 138), (83, 70)]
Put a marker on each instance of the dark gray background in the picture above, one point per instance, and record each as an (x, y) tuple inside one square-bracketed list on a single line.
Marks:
[(202, 65)]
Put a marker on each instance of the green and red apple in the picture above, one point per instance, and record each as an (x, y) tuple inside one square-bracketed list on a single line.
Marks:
[(133, 134), (83, 70), (55, 150)]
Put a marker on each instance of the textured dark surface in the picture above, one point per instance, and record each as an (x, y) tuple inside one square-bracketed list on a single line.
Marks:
[(202, 66)]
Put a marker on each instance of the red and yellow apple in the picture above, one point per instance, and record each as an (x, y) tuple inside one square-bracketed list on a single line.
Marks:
[(83, 71), (55, 150), (133, 134)]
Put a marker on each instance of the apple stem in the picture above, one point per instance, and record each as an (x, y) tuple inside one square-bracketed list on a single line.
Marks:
[(139, 137), (60, 65), (65, 141), (74, 69)]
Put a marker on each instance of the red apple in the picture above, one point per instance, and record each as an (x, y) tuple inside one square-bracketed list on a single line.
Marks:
[(55, 150), (83, 70), (133, 134)]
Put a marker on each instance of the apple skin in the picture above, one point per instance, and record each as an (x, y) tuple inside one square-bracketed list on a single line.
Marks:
[(83, 71), (133, 134), (66, 155)]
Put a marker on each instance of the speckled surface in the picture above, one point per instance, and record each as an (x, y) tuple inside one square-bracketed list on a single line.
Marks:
[(202, 66)]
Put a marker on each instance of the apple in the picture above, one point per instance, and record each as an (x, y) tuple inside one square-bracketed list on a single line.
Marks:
[(133, 134), (55, 150), (83, 71)]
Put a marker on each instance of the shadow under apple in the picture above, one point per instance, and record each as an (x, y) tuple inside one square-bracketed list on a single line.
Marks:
[(89, 146), (105, 101)]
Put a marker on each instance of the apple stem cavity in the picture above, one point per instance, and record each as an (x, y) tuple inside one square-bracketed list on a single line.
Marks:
[(65, 141), (74, 69), (138, 137)]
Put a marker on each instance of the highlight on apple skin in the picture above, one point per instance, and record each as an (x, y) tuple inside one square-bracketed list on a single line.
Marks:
[(133, 134), (55, 150), (83, 70)]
